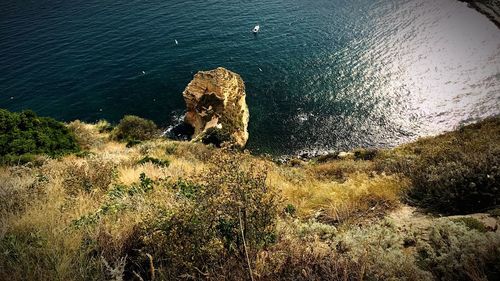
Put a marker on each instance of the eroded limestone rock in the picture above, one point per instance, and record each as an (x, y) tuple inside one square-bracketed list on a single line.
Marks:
[(216, 108)]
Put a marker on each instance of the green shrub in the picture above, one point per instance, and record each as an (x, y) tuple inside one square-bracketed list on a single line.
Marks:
[(171, 148), (471, 223), (327, 157), (23, 134), (132, 143), (22, 159), (365, 154), (145, 183), (457, 172), (134, 128), (187, 189), (290, 210), (84, 154), (24, 245), (199, 233), (155, 161)]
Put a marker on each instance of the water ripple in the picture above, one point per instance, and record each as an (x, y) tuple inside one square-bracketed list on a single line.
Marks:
[(321, 75)]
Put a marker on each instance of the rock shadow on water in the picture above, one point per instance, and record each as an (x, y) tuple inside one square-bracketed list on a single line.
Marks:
[(181, 132)]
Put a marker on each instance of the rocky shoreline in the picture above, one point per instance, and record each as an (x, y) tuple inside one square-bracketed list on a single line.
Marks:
[(489, 8)]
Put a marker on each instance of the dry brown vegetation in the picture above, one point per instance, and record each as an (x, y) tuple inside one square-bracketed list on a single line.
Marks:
[(166, 210)]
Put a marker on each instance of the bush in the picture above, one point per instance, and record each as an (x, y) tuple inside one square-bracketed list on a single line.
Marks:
[(327, 157), (453, 252), (365, 154), (457, 172), (133, 128), (132, 143), (25, 133), (471, 223), (171, 148), (10, 159), (155, 161), (186, 189), (315, 251), (290, 210), (204, 237), (185, 227)]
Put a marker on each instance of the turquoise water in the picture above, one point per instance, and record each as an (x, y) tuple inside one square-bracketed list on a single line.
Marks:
[(321, 75)]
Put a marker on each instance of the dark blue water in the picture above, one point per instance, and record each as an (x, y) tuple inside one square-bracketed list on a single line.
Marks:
[(322, 74)]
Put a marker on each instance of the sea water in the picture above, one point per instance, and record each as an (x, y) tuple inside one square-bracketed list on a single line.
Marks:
[(320, 75)]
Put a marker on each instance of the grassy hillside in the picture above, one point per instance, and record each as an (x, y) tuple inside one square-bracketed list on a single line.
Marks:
[(167, 210)]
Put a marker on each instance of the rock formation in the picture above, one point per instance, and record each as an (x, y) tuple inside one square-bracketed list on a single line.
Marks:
[(216, 108)]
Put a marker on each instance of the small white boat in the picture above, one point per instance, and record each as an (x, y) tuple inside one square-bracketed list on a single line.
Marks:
[(176, 43), (256, 29)]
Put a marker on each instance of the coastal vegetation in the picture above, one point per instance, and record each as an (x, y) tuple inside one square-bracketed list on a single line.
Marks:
[(134, 129), (100, 209), (456, 172), (24, 135)]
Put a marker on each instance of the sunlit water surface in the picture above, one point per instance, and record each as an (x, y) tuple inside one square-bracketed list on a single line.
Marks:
[(321, 75)]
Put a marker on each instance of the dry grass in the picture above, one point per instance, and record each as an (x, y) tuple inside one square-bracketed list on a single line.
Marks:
[(314, 251), (14, 184), (87, 135), (87, 175), (129, 175), (94, 217), (41, 247), (361, 195), (340, 170)]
